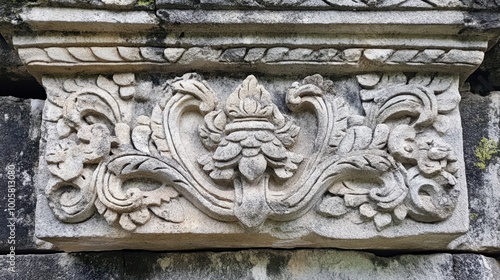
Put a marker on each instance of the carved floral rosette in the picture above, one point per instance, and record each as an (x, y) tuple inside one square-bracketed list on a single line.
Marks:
[(377, 152)]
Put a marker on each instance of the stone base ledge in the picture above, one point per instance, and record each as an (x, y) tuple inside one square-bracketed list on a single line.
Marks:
[(252, 264)]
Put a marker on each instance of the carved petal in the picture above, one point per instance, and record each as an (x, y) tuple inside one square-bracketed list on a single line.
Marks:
[(401, 143), (273, 151), (250, 142), (141, 135), (382, 220), (250, 106), (380, 136), (69, 169), (222, 174), (400, 212), (99, 103), (367, 210), (197, 89), (448, 100), (407, 101), (58, 153), (140, 216), (250, 152), (99, 142), (215, 121), (237, 136), (282, 173), (264, 136), (332, 206), (288, 134), (252, 167), (249, 99), (127, 223), (171, 211), (159, 195), (355, 200), (227, 152)]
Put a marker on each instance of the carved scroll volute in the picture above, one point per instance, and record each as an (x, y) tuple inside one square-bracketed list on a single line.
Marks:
[(382, 165), (386, 144), (416, 110), (89, 125), (183, 94)]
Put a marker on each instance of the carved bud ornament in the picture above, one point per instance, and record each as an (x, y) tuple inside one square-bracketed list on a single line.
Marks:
[(384, 159)]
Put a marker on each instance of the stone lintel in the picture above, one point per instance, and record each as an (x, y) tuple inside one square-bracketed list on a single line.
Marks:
[(183, 129)]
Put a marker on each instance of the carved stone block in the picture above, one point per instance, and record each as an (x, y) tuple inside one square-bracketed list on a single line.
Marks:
[(157, 161), (175, 124)]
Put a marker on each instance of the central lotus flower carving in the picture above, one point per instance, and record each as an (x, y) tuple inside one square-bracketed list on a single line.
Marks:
[(249, 136)]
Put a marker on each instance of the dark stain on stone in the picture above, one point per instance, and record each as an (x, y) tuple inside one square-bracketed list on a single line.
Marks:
[(481, 21), (481, 4), (277, 264)]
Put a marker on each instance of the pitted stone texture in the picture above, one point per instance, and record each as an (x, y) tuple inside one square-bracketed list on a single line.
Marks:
[(19, 137), (338, 4), (300, 264), (470, 266), (480, 117), (253, 162), (289, 42), (11, 67), (64, 266), (9, 12), (491, 66), (250, 264)]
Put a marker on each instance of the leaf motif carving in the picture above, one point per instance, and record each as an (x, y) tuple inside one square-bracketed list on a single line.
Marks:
[(132, 206), (196, 88), (171, 212), (379, 157), (73, 201)]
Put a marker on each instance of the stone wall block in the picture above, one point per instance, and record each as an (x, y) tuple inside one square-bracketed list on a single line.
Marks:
[(19, 137)]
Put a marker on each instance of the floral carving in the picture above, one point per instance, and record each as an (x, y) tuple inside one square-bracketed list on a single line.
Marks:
[(251, 135), (397, 124), (382, 160)]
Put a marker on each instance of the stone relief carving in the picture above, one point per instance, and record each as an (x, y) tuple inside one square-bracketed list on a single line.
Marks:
[(379, 154), (367, 4), (77, 55), (391, 3), (250, 137), (363, 4), (269, 3)]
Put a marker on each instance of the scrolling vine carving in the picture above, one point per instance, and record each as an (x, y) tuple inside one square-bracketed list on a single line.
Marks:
[(386, 161)]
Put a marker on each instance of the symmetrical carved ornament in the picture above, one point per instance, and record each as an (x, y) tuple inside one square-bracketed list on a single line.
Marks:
[(378, 153)]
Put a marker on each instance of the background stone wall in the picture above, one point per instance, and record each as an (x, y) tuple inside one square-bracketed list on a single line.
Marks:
[(472, 256)]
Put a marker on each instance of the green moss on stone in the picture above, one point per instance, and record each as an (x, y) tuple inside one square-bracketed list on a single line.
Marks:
[(485, 151), (144, 3), (473, 216)]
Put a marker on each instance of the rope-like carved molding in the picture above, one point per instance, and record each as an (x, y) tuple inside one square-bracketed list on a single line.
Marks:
[(379, 159), (361, 4), (108, 4), (76, 55), (395, 3)]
